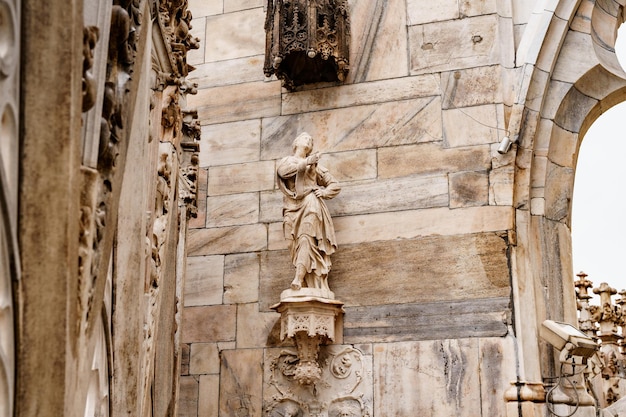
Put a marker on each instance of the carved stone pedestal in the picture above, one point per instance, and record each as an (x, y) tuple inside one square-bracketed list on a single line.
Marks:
[(309, 319)]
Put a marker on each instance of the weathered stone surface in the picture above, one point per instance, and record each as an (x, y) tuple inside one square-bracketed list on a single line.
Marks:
[(469, 126), (205, 359), (438, 375), (226, 240), (253, 327), (420, 12), (202, 8), (232, 210), (599, 83), (204, 280), (230, 143), (379, 43), (391, 195), (558, 191), (208, 324), (444, 375), (276, 237), (237, 102), (224, 41), (427, 321), (556, 91), (472, 87), (501, 186), (360, 94), (241, 383), (430, 158), (209, 392), (351, 165), (454, 44), (236, 5), (563, 147), (271, 206), (469, 189), (416, 223), (241, 178), (233, 71), (188, 397), (569, 66), (574, 109), (362, 127), (432, 269), (476, 8), (241, 278)]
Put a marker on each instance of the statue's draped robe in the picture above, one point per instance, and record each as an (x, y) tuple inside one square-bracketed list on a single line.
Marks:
[(307, 223)]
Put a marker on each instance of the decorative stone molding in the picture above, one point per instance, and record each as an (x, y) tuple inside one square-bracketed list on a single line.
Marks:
[(307, 41), (343, 390)]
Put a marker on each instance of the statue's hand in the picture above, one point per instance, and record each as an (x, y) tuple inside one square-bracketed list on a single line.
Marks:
[(320, 193), (313, 158)]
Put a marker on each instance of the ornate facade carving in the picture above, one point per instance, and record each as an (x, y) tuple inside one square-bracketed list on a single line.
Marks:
[(307, 41), (343, 390), (97, 195)]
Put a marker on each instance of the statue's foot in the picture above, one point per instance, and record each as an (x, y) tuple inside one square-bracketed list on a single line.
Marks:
[(296, 284)]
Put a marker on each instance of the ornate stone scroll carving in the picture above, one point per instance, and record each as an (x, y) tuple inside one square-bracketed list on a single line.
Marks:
[(343, 390), (307, 41)]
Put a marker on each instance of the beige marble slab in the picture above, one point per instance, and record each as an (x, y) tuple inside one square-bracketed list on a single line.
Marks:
[(241, 384), (241, 278), (209, 324), (231, 71), (241, 178), (361, 127), (431, 158), (204, 281), (237, 102), (454, 44), (230, 143), (235, 35), (204, 359), (209, 391), (475, 125), (469, 189), (254, 327), (232, 210), (359, 94), (227, 240)]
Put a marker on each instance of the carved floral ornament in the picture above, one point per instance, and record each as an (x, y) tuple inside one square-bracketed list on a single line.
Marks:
[(307, 41)]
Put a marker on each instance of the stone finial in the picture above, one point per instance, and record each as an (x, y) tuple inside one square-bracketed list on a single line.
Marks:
[(585, 318)]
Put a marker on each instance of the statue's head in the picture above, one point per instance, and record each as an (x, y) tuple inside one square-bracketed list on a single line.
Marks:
[(303, 140)]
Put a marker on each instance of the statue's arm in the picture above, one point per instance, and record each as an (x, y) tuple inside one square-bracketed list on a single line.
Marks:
[(330, 184), (288, 167)]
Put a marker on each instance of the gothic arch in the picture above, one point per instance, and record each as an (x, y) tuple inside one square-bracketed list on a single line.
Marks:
[(569, 75)]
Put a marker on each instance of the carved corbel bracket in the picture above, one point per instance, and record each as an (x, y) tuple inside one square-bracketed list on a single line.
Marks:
[(310, 322)]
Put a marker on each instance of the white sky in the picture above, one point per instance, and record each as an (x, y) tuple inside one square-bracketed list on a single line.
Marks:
[(599, 205)]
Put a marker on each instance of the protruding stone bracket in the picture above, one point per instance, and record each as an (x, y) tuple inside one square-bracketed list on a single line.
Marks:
[(310, 321)]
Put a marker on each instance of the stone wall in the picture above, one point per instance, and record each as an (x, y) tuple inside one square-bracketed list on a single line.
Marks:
[(424, 220)]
